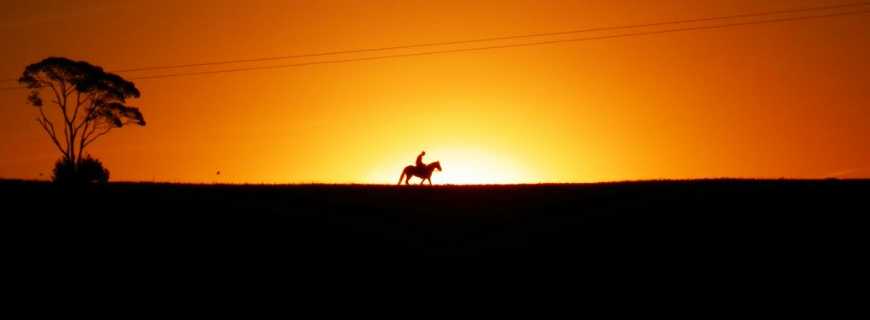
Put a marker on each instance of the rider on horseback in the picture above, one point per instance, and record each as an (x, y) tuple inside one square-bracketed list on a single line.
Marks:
[(420, 164), (420, 169)]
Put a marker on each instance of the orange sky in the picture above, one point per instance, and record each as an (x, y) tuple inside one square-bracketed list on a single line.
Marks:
[(779, 100)]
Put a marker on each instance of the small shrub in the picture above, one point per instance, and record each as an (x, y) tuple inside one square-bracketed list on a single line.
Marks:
[(88, 170)]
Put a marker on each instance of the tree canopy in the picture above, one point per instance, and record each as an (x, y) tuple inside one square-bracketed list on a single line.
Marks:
[(90, 101)]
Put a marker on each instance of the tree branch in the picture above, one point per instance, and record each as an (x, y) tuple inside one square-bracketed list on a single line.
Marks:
[(100, 134), (83, 138), (48, 126), (70, 132), (49, 129), (90, 127), (62, 106), (71, 89), (89, 130), (57, 99), (76, 110), (93, 128), (90, 99)]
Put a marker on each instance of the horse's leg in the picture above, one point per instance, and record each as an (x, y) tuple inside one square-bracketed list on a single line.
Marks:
[(405, 176)]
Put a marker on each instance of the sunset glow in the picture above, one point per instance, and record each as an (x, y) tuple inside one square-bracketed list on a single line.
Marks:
[(464, 166), (776, 100)]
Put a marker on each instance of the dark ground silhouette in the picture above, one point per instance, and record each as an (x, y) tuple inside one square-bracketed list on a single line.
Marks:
[(685, 220)]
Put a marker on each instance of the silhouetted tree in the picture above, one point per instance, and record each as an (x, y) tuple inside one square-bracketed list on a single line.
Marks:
[(90, 102)]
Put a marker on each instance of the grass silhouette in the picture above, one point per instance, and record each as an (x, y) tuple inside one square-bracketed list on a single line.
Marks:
[(749, 217)]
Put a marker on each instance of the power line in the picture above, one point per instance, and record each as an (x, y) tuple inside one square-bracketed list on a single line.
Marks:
[(625, 35), (489, 39), (527, 44), (523, 36)]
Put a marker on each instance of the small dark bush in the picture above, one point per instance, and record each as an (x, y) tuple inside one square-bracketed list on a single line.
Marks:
[(88, 170)]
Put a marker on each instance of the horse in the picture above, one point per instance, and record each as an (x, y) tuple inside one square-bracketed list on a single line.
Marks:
[(425, 173)]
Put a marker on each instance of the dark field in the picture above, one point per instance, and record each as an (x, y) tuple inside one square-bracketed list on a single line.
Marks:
[(687, 220)]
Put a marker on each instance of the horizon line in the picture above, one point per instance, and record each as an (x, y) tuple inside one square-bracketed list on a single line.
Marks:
[(748, 179)]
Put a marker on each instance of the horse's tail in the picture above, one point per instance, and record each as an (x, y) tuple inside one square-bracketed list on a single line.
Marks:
[(402, 176)]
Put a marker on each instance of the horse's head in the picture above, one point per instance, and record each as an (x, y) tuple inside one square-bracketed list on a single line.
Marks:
[(436, 165)]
